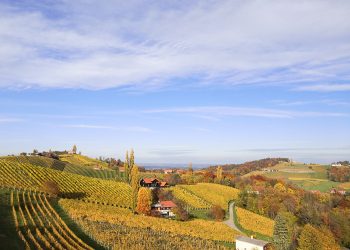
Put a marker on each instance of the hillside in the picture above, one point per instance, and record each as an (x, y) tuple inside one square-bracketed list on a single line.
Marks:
[(247, 167), (82, 160), (85, 169), (39, 225), (205, 195), (306, 176), (14, 173)]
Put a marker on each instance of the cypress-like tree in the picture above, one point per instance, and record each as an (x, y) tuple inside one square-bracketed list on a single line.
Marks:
[(74, 149), (131, 163), (126, 167), (135, 184), (281, 238), (219, 173)]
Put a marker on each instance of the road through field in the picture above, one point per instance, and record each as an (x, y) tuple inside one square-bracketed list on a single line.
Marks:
[(231, 222)]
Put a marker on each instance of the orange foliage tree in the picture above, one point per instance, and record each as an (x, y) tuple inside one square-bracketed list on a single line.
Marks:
[(144, 201)]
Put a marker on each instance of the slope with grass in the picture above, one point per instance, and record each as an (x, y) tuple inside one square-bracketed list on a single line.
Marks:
[(193, 201), (82, 160), (306, 176), (85, 170), (212, 193), (252, 222), (209, 230), (28, 176), (36, 223)]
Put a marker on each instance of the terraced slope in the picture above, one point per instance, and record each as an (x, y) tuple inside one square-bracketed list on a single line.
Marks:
[(211, 193), (193, 201), (82, 160), (80, 211), (31, 177), (85, 170), (254, 222)]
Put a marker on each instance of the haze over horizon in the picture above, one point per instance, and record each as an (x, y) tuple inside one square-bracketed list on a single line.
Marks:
[(200, 81)]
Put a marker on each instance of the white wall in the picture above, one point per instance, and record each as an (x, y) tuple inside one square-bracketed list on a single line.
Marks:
[(240, 245)]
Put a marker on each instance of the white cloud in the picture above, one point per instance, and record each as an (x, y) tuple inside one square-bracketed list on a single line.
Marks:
[(73, 44), (10, 120), (325, 87), (102, 127), (219, 111)]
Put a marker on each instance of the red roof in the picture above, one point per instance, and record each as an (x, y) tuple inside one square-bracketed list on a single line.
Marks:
[(163, 183), (150, 180), (167, 204)]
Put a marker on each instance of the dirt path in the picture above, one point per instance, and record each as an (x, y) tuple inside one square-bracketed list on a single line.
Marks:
[(230, 222)]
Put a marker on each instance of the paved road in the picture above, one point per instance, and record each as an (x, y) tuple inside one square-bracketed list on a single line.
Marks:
[(230, 222)]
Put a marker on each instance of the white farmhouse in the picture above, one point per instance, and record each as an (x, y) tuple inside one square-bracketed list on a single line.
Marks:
[(246, 243)]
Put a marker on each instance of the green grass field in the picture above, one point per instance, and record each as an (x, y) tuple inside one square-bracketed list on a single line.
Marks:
[(306, 176)]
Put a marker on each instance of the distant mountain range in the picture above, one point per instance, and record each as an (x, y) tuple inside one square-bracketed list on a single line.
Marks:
[(173, 165)]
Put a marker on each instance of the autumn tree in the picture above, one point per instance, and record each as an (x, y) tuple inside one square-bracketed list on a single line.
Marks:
[(126, 167), (180, 212), (51, 187), (144, 201), (312, 238), (219, 173), (131, 163), (135, 183), (281, 239), (216, 212)]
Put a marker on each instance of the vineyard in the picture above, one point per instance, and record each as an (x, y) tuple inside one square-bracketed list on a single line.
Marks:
[(64, 166), (209, 230), (27, 176), (255, 222), (37, 224), (82, 160), (89, 172), (210, 193), (126, 237), (193, 201)]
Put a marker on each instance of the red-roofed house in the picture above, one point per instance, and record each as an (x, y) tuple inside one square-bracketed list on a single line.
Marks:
[(153, 183), (150, 182), (164, 208), (164, 184)]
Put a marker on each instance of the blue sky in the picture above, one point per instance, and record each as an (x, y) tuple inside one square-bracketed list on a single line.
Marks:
[(206, 82)]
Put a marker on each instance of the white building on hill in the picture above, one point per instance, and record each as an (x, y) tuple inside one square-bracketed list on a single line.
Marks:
[(246, 243)]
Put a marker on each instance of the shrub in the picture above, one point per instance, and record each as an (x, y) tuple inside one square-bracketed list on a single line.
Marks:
[(51, 187), (216, 212)]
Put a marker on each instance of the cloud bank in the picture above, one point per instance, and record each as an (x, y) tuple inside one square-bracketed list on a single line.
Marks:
[(79, 44)]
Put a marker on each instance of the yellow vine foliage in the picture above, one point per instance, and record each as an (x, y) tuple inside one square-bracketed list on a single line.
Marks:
[(213, 193), (31, 177), (189, 198), (38, 224), (210, 230), (255, 222)]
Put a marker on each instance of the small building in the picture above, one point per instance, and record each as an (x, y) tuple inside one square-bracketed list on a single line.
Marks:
[(246, 243), (338, 191), (180, 171), (165, 208), (336, 165), (153, 183), (150, 182), (164, 184), (121, 169), (168, 171)]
